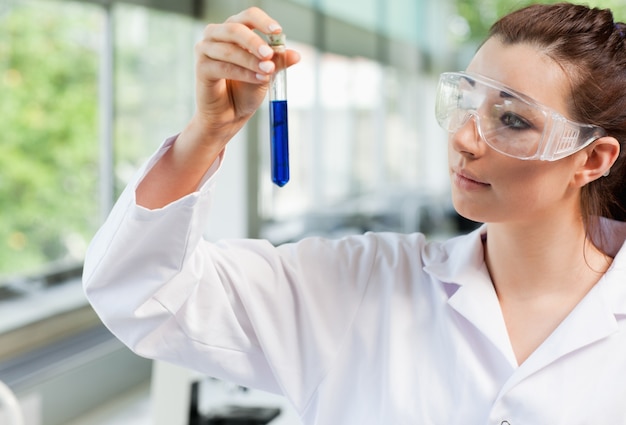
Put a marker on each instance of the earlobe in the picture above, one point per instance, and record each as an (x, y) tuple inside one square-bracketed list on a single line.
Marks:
[(600, 157)]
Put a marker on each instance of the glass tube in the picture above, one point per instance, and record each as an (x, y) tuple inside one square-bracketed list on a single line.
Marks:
[(279, 134)]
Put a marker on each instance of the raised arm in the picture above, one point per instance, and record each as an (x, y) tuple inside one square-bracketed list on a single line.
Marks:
[(233, 67)]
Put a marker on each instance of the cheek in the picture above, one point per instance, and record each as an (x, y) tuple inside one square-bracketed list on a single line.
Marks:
[(517, 192), (518, 188), (529, 185)]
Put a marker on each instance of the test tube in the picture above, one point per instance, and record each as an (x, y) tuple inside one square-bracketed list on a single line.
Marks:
[(279, 134)]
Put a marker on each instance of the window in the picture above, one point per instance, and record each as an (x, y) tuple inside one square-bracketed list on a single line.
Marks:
[(88, 90), (49, 58), (87, 93), (154, 82), (365, 150)]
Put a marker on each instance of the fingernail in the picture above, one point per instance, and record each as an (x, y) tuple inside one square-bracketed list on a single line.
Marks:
[(266, 66), (262, 77), (265, 50), (275, 28)]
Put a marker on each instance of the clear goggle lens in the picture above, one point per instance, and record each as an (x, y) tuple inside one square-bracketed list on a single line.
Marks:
[(509, 122)]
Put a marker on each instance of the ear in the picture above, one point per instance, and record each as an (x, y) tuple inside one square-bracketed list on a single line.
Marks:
[(598, 158)]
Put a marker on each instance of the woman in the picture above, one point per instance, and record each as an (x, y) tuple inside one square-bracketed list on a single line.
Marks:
[(521, 321)]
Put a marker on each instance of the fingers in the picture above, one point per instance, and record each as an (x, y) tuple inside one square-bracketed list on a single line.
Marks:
[(293, 57), (255, 18), (234, 50), (224, 60)]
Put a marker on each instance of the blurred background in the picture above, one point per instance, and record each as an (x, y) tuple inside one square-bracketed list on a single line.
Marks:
[(89, 89)]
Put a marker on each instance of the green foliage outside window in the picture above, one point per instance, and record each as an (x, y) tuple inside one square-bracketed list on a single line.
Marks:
[(481, 14), (49, 134)]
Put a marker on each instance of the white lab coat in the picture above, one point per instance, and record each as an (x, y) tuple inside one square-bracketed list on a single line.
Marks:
[(381, 328)]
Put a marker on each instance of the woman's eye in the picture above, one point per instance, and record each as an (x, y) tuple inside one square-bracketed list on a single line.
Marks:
[(514, 121)]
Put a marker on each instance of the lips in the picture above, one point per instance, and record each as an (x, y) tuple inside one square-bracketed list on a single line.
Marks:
[(468, 180)]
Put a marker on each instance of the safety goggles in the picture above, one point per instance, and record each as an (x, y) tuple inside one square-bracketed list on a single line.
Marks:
[(508, 121)]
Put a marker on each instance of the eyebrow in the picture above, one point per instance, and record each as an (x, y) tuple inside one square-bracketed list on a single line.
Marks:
[(503, 94)]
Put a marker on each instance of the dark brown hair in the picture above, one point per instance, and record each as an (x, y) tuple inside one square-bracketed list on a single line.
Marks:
[(591, 48)]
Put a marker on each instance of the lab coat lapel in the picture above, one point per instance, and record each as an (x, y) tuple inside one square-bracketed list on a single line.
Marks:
[(592, 320), (459, 263), (461, 266), (476, 301)]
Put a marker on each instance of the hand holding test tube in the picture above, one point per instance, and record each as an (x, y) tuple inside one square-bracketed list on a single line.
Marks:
[(279, 134)]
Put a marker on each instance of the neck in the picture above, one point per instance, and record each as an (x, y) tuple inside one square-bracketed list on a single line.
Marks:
[(530, 260)]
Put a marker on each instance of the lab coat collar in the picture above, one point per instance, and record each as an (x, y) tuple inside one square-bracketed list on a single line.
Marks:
[(592, 320), (458, 261), (459, 264), (613, 283)]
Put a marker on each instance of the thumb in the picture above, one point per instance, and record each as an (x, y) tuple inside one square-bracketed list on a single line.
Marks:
[(292, 57)]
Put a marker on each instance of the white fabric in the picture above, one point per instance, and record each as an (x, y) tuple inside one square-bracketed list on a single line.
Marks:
[(378, 328)]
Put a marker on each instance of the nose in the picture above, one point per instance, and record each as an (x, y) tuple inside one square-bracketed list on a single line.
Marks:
[(466, 139)]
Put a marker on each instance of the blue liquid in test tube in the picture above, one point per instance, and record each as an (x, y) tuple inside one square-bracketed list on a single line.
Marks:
[(279, 129), (279, 142)]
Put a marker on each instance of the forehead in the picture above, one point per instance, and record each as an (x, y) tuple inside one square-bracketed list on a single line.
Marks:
[(525, 69)]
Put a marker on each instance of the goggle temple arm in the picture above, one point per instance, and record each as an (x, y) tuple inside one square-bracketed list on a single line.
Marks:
[(562, 138), (568, 137)]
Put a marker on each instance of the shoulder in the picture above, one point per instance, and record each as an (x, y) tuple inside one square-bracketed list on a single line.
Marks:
[(412, 247)]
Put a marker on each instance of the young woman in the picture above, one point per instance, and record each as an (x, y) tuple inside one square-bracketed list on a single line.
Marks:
[(522, 321)]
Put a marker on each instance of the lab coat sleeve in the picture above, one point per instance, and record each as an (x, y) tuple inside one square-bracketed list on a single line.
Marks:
[(266, 317)]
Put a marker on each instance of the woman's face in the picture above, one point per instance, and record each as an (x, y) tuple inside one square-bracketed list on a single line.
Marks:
[(491, 187)]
